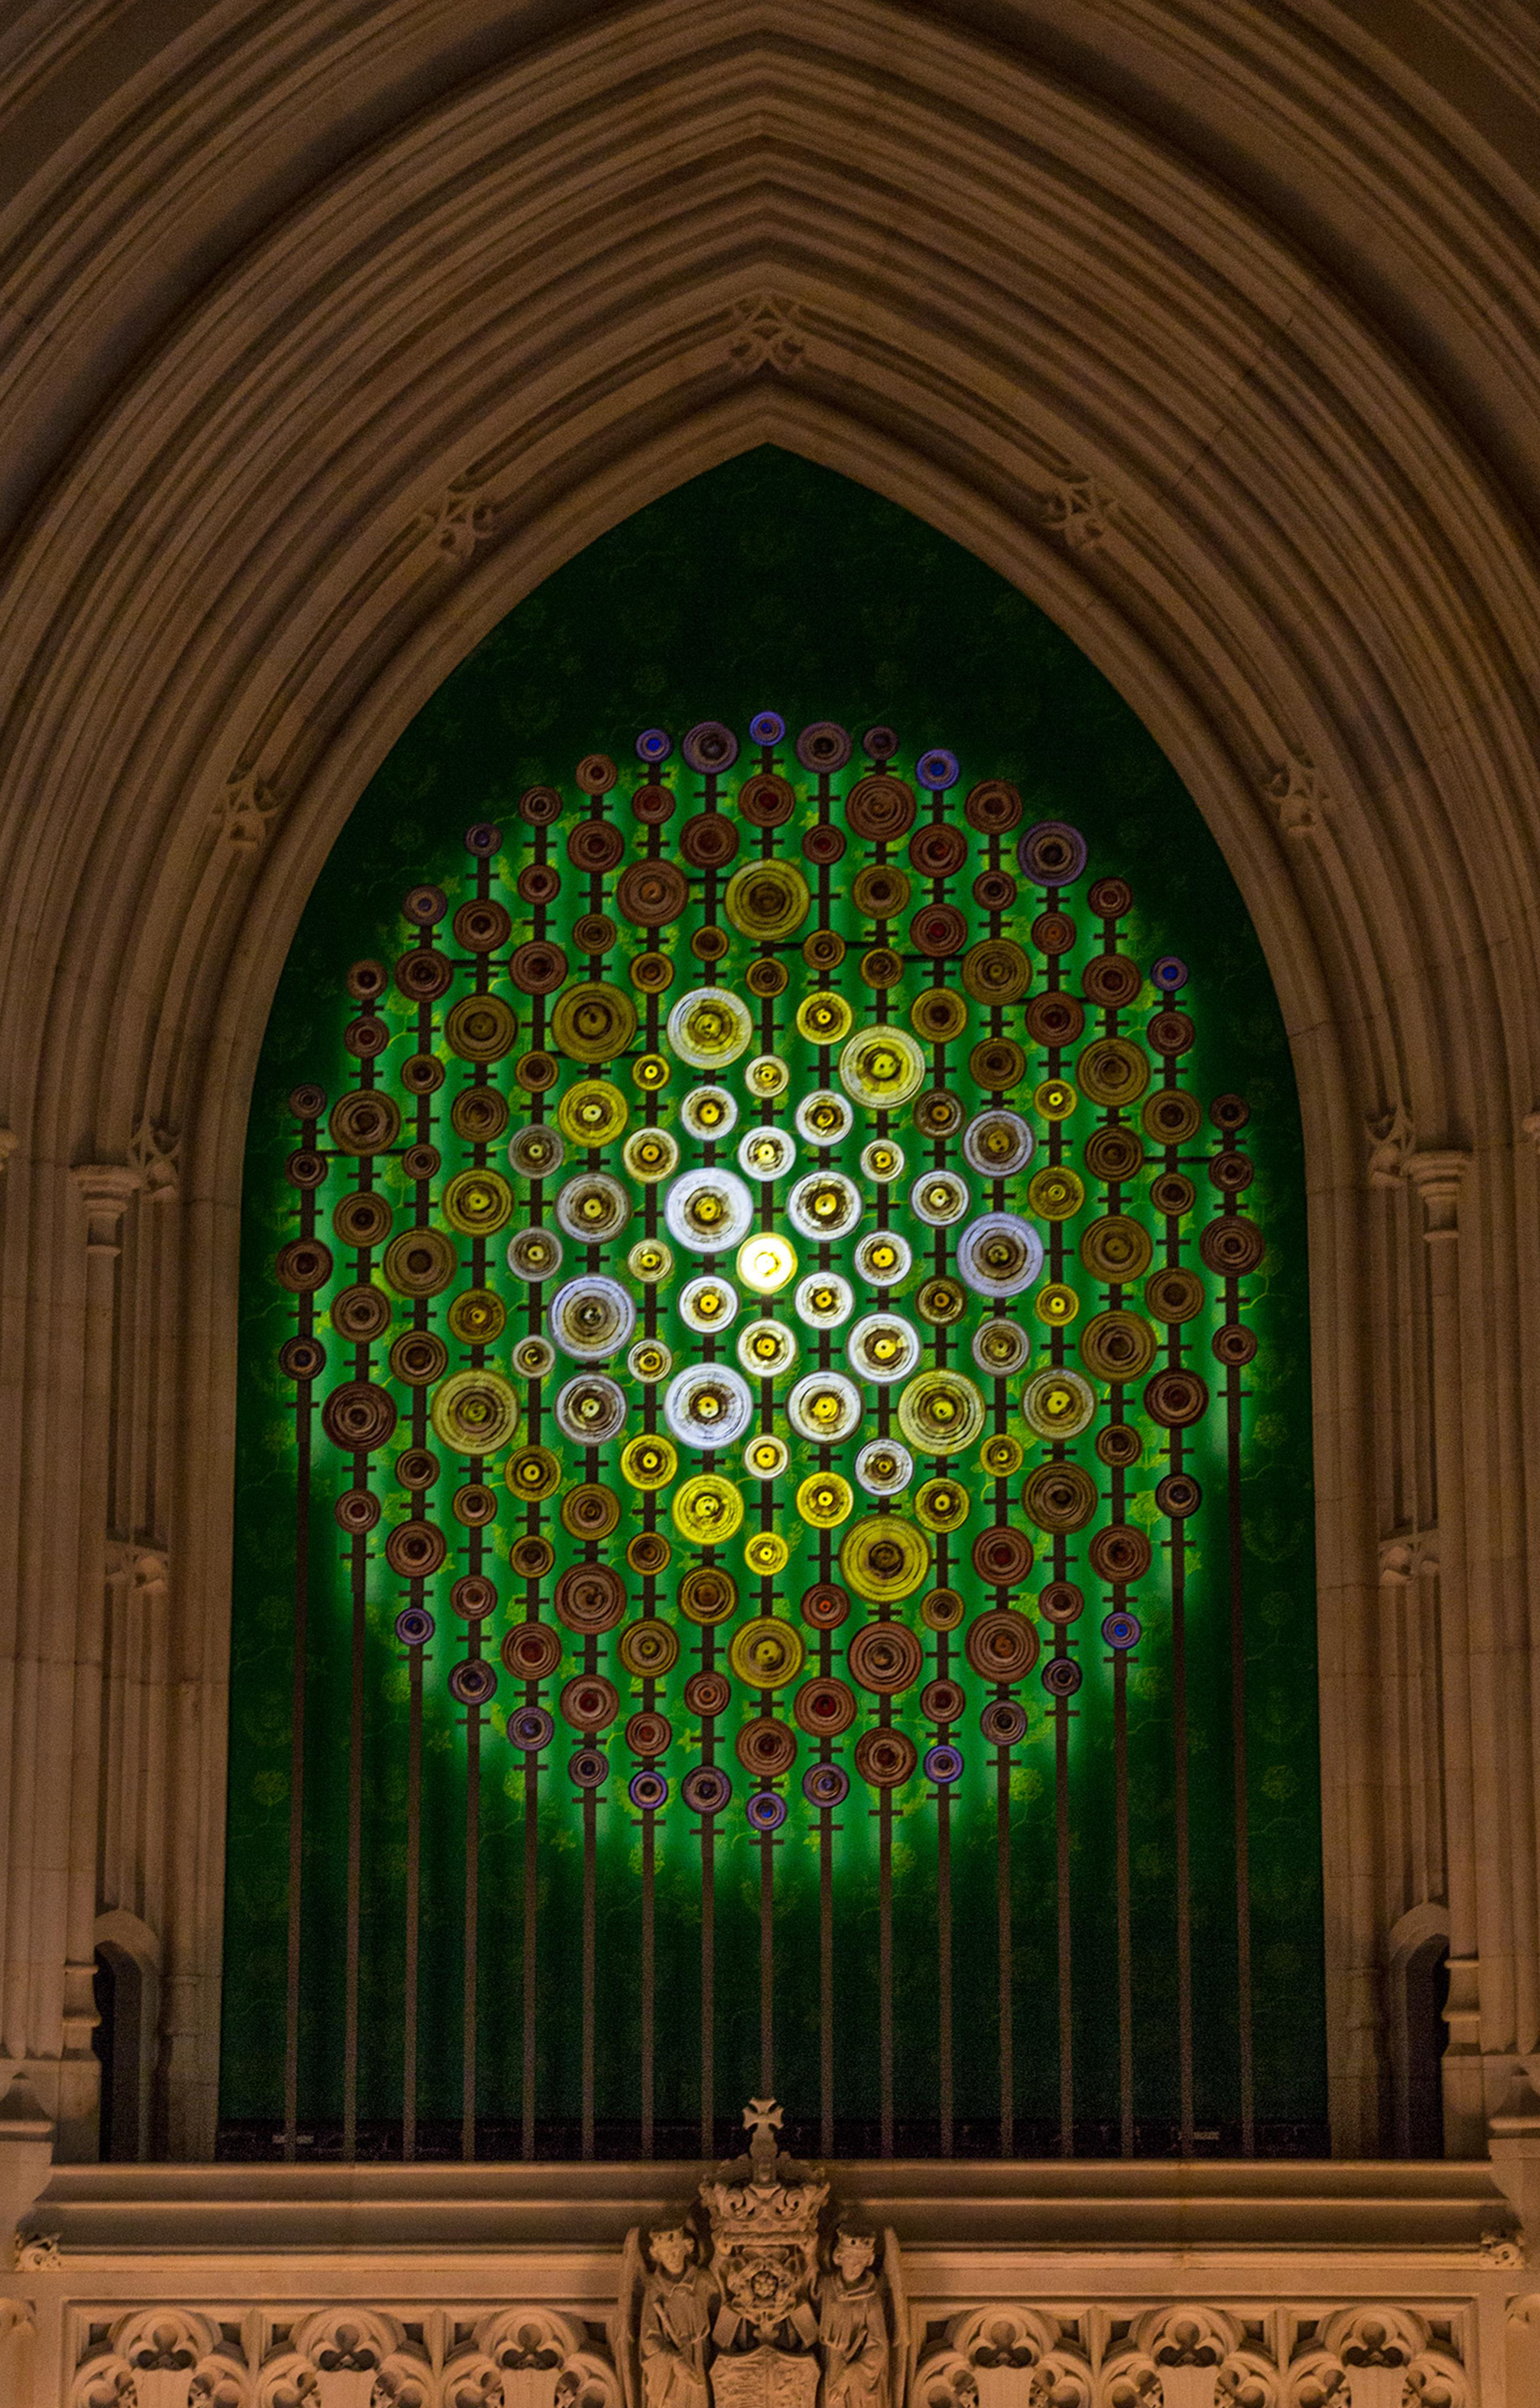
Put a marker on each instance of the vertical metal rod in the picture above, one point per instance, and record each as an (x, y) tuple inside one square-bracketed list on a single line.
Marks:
[(472, 1935), (1180, 1814), (1066, 1967), (415, 1894), (708, 1990), (825, 1980), (944, 1965), (296, 1786), (885, 1966), (590, 1818), (1125, 1905), (1002, 1887), (766, 1968), (531, 1907), (1237, 1717), (355, 1847), (649, 1980)]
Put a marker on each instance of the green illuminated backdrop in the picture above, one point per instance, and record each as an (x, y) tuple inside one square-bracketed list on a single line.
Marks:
[(1111, 2004)]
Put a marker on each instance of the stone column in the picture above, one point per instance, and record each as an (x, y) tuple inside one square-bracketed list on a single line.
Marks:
[(1471, 1773), (105, 1190)]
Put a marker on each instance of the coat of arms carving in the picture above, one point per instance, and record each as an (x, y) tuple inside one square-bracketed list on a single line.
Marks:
[(760, 2296)]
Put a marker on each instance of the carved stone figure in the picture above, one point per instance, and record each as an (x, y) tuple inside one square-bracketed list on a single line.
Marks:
[(677, 2314), (852, 2326)]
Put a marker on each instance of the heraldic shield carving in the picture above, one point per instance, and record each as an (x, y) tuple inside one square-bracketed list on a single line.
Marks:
[(760, 2296)]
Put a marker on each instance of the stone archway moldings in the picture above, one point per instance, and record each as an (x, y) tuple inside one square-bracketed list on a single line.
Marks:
[(440, 377)]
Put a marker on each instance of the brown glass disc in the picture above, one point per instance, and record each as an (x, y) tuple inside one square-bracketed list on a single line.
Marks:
[(594, 846), (943, 1701), (997, 1064), (886, 1657), (422, 1074), (538, 882), (997, 971), (1170, 1032), (482, 926), (937, 850), (1113, 1155), (939, 1014), (938, 931), (994, 890), (424, 974), (1059, 1496), (531, 1556), (1002, 1645), (361, 1314), (1120, 1554), (940, 1301), (993, 807), (358, 1416), (594, 933), (1055, 1019), (1231, 1172), (1003, 1556), (1234, 1345), (1053, 932), (538, 968), (825, 1606), (1118, 1442), (1173, 1194), (649, 1553), (766, 1748), (418, 1357), (823, 1708), (1111, 981), (651, 972), (1171, 1116), (1229, 1112), (885, 1758), (1233, 1247), (366, 1037), (416, 1550), (651, 894), (1061, 1603), (823, 949), (1175, 1396), (1110, 898), (881, 968), (707, 1694), (479, 1115), (1177, 1495), (881, 809), (766, 978), (766, 800), (535, 1072), (539, 806), (531, 1651), (707, 1593), (824, 845), (362, 1219), (590, 1598), (708, 841), (708, 944), (653, 805)]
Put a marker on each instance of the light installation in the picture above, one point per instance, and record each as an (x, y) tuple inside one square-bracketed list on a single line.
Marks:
[(769, 1368)]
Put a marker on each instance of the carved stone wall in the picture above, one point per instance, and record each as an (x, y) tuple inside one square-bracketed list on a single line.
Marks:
[(333, 331)]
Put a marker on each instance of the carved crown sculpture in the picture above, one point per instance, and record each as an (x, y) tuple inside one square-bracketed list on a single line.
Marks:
[(766, 2197)]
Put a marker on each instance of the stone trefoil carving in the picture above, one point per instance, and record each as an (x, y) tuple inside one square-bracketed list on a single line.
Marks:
[(1392, 1141), (1076, 509), (247, 810), (766, 334), (760, 2298)]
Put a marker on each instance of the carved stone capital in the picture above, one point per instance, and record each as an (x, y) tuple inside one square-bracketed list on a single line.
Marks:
[(1438, 1176), (104, 1188)]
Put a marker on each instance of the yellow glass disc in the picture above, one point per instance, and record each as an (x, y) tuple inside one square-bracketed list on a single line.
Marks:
[(766, 1262), (477, 1317), (650, 1154), (767, 1654), (766, 1458), (1057, 1404), (707, 1509), (708, 1027), (767, 900), (475, 1413), (650, 1072), (767, 1075), (824, 1019), (883, 1559), (1056, 1306), (940, 1412), (823, 1499), (649, 1461), (1056, 1192), (766, 1554), (1003, 1455), (477, 1202), (591, 1022), (649, 1649), (943, 1609), (650, 1260), (592, 1112), (881, 1068), (1056, 1099), (533, 1472), (941, 1504)]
